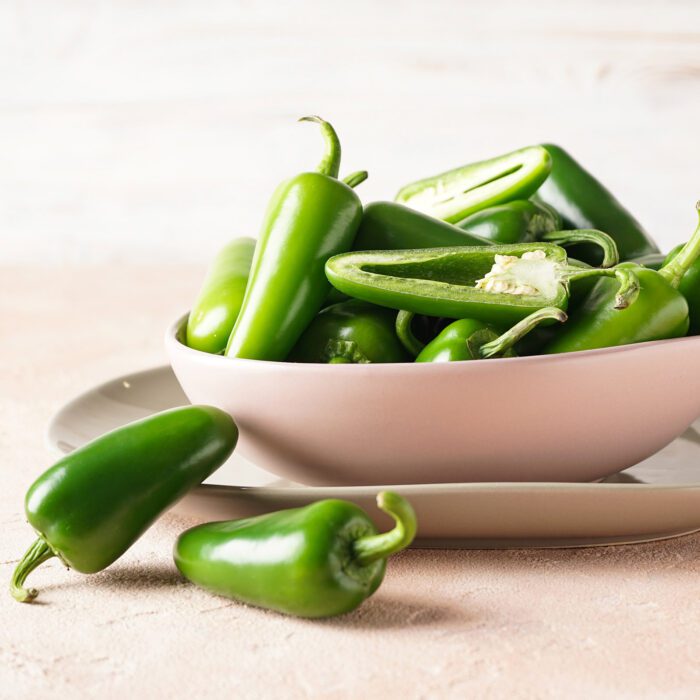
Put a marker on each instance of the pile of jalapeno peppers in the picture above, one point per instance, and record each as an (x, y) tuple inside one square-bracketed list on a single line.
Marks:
[(525, 253)]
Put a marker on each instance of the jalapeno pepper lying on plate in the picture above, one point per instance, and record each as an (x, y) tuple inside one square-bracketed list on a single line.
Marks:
[(584, 202), (519, 221), (496, 284), (455, 194), (219, 300), (689, 287), (310, 218), (352, 332), (94, 503), (659, 312), (317, 561)]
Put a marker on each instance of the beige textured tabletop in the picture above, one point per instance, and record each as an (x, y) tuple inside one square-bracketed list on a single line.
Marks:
[(604, 622)]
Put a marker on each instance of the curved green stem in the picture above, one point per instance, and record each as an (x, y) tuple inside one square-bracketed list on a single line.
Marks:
[(405, 334), (370, 549), (36, 555), (343, 352), (508, 339), (586, 235), (629, 282), (674, 270), (354, 179), (330, 163)]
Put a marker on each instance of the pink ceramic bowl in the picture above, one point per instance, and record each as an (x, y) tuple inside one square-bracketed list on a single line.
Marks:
[(573, 417)]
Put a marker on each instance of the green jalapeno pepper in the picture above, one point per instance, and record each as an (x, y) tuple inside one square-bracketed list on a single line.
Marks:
[(456, 194), (469, 339), (460, 282), (219, 300), (584, 202), (660, 311), (350, 332), (689, 287), (654, 261), (317, 561), (93, 504), (520, 221), (390, 226), (310, 218)]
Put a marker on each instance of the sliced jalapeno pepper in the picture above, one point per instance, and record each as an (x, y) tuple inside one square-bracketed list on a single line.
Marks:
[(317, 561), (455, 194), (460, 282)]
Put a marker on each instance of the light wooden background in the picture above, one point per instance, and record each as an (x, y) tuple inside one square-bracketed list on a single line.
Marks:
[(153, 131)]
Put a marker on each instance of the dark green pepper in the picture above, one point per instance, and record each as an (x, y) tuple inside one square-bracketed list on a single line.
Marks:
[(350, 332), (689, 287), (310, 218), (520, 221), (317, 561), (390, 226), (469, 339), (460, 283), (454, 195), (93, 504), (219, 300), (654, 261), (584, 202), (659, 312)]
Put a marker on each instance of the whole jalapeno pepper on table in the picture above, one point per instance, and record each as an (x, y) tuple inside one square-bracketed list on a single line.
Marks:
[(469, 339), (317, 561), (496, 284), (352, 332), (454, 195), (659, 312), (219, 300), (519, 221), (310, 218), (94, 503), (584, 202)]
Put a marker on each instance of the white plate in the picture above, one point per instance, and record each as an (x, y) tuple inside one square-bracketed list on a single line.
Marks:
[(655, 499)]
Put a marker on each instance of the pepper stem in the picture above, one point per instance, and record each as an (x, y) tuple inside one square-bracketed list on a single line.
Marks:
[(405, 334), (330, 163), (586, 235), (343, 352), (629, 282), (674, 270), (508, 339), (36, 555), (354, 179), (370, 549)]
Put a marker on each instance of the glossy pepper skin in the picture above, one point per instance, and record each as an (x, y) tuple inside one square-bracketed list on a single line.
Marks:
[(441, 281), (660, 311), (689, 287), (219, 300), (317, 561), (520, 221), (469, 339), (352, 332), (94, 503), (584, 202), (391, 226), (310, 218), (454, 195)]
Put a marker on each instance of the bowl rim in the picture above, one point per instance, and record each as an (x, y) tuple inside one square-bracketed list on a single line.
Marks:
[(174, 345)]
